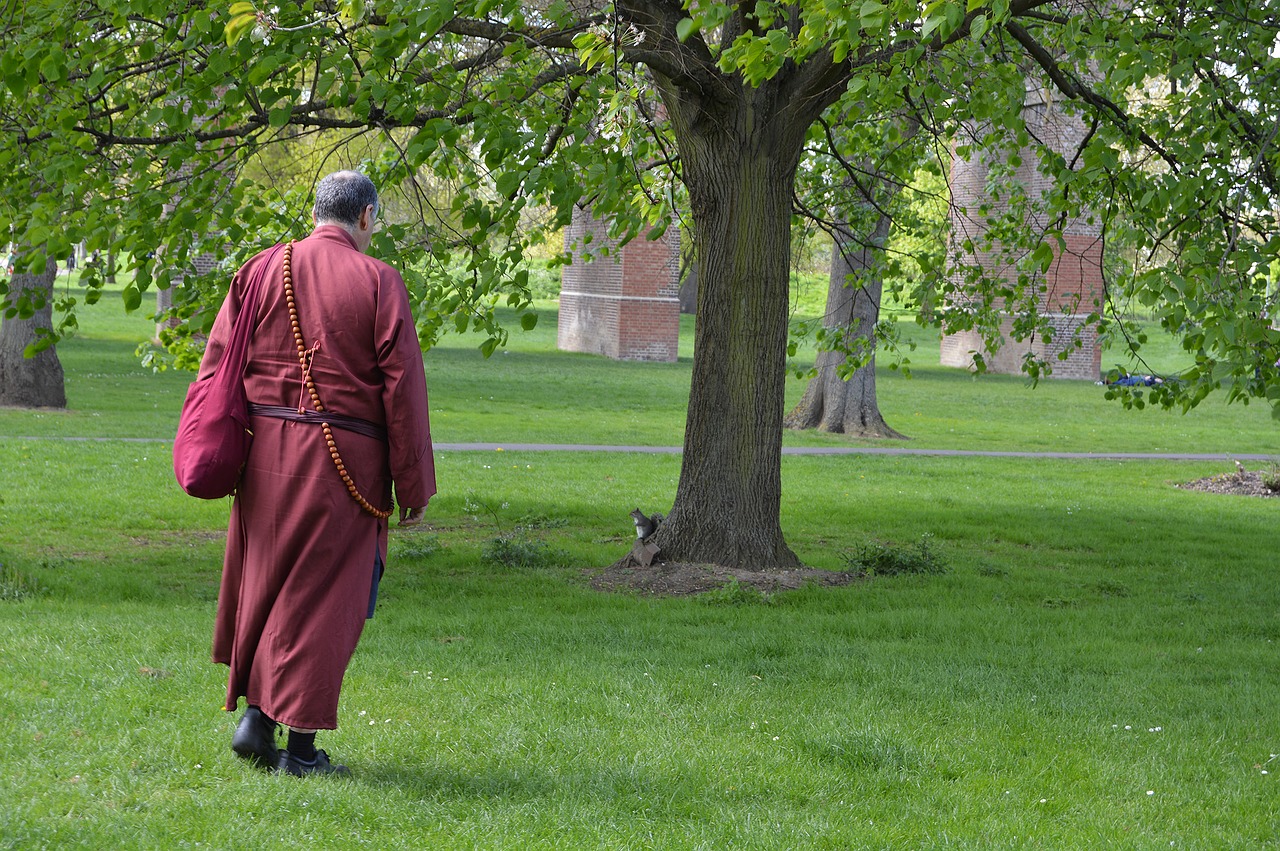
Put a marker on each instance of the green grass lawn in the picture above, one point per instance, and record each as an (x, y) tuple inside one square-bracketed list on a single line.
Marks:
[(1097, 668)]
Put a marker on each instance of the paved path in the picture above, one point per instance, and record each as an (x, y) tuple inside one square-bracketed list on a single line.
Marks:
[(871, 450), (786, 450)]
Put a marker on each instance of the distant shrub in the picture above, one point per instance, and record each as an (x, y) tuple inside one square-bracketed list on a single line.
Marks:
[(735, 593), (519, 551), (15, 585), (544, 280), (876, 559), (1271, 478)]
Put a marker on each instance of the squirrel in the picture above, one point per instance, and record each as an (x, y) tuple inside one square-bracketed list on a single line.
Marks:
[(645, 526)]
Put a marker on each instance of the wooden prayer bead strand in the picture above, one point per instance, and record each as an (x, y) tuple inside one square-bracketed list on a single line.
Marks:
[(315, 394)]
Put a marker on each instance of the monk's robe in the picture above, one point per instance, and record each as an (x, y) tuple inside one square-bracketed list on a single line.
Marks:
[(301, 553)]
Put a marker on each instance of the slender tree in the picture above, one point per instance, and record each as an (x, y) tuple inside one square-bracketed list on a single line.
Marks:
[(841, 395)]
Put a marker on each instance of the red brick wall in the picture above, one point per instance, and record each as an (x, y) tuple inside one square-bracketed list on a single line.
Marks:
[(624, 306), (1071, 289)]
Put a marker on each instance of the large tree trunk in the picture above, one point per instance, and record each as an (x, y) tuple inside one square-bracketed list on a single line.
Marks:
[(835, 404), (35, 382), (739, 162)]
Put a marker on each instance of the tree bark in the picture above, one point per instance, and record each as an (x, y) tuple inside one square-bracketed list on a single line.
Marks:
[(739, 157), (835, 404), (35, 382)]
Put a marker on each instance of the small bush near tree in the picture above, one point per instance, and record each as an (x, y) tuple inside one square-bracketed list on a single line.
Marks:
[(876, 559), (520, 551), (735, 593)]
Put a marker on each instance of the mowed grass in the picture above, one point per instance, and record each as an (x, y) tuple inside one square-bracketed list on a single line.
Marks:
[(1096, 669)]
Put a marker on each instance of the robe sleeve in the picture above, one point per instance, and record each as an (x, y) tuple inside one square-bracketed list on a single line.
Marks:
[(404, 394)]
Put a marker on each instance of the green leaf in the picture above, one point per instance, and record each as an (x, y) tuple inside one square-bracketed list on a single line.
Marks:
[(931, 23), (54, 66), (979, 27), (685, 28), (508, 183), (354, 9), (873, 15), (16, 83), (132, 297), (529, 321), (279, 117), (41, 344), (238, 27), (1043, 256)]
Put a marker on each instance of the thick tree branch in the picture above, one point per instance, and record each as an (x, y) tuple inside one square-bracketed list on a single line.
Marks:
[(689, 66)]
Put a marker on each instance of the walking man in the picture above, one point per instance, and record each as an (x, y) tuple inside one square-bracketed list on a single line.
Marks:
[(307, 538)]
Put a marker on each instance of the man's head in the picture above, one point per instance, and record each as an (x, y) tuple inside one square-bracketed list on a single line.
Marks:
[(349, 200)]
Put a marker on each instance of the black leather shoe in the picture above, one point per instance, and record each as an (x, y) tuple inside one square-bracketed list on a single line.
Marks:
[(290, 764), (255, 738)]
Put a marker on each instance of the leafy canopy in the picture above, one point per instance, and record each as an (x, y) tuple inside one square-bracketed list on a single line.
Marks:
[(129, 125)]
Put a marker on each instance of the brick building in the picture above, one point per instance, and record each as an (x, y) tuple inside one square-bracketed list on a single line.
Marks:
[(1072, 287), (624, 305)]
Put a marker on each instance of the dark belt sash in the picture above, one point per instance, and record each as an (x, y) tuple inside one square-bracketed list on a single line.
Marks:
[(284, 412)]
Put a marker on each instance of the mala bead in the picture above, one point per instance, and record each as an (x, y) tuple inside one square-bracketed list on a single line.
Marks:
[(315, 394)]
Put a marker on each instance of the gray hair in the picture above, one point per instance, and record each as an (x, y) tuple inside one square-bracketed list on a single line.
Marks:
[(342, 196)]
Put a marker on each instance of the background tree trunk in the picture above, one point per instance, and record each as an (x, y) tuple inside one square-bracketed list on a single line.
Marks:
[(689, 290), (35, 382), (831, 403)]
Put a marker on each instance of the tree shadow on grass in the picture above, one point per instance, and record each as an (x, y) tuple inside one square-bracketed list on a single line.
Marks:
[(515, 783), (432, 780)]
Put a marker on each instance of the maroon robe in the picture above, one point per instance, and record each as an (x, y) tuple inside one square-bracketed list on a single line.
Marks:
[(298, 573)]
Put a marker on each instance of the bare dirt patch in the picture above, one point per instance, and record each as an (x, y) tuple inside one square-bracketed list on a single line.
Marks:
[(169, 538), (678, 579), (1240, 483)]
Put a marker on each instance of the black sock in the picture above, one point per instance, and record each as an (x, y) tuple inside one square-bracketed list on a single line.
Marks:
[(302, 745)]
